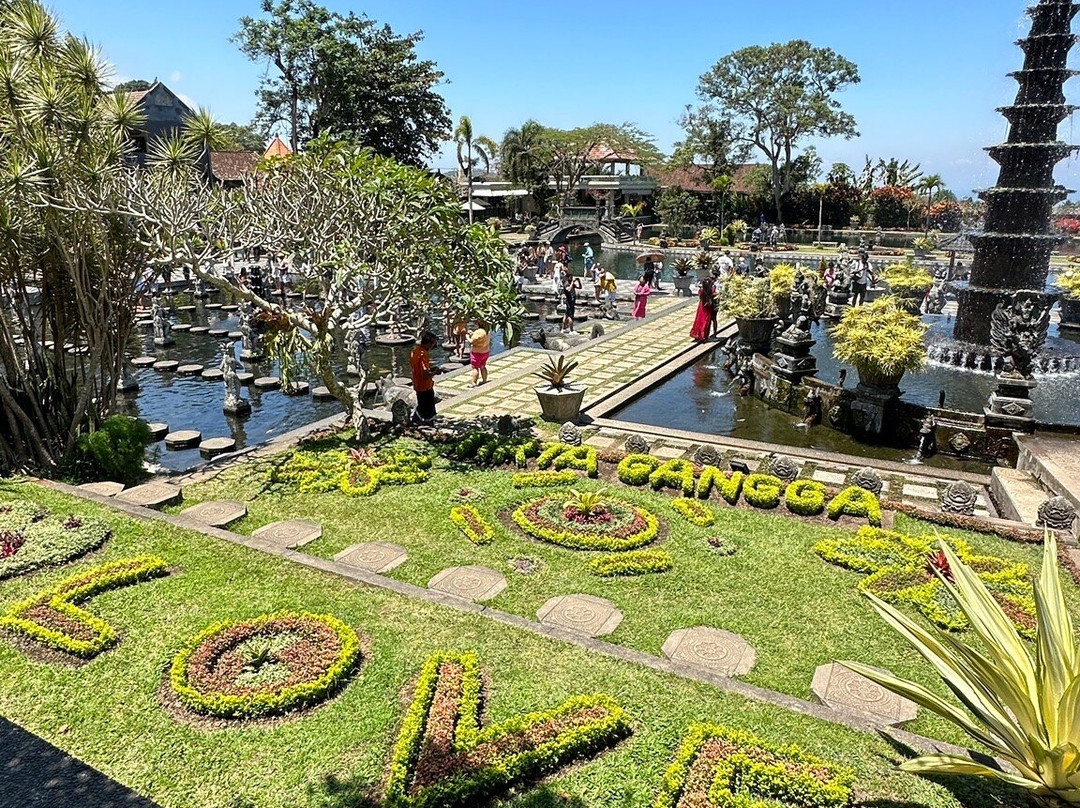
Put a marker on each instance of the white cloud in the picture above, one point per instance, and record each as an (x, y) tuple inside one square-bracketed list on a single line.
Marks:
[(176, 76)]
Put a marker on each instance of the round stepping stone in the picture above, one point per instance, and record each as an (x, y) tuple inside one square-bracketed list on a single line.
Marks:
[(144, 361), (584, 614), (145, 323), (402, 381), (199, 329), (212, 447), (186, 308), (181, 327), (104, 489), (166, 365), (213, 306), (230, 307), (322, 394), (532, 315), (189, 370), (296, 389), (212, 375), (152, 495), (469, 583), (245, 378), (449, 346), (218, 332), (183, 439), (268, 383), (842, 689), (158, 430), (235, 335), (712, 649), (290, 534), (216, 514), (376, 556), (388, 339)]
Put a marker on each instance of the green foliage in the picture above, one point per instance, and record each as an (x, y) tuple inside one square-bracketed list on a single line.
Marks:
[(470, 762), (331, 654), (1069, 281), (693, 511), (495, 450), (882, 339), (730, 487), (31, 538), (907, 280), (469, 521), (677, 474), (635, 562), (626, 528), (678, 208), (742, 771), (805, 497), (763, 490), (556, 373), (747, 298), (1020, 705), (782, 279), (857, 502), (569, 154), (115, 450), (53, 617), (586, 503), (636, 469), (580, 458), (235, 137), (543, 479), (355, 474), (893, 206)]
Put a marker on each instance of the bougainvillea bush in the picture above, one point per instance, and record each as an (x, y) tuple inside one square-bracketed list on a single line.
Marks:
[(31, 537)]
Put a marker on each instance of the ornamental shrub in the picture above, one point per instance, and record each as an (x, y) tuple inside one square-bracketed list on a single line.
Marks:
[(628, 528), (472, 524), (730, 487), (805, 497), (635, 469), (115, 450), (543, 479), (581, 458), (495, 450), (763, 490), (693, 511), (856, 502), (677, 474), (635, 562), (551, 451)]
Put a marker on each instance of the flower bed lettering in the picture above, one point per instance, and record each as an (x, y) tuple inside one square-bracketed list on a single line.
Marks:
[(856, 501), (560, 456), (677, 474), (472, 524), (543, 479), (487, 449), (355, 472), (805, 497), (693, 511), (634, 562)]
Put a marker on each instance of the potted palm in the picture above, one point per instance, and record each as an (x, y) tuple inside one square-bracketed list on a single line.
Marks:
[(560, 399), (908, 281), (1070, 299), (922, 246), (750, 302), (683, 281), (883, 341)]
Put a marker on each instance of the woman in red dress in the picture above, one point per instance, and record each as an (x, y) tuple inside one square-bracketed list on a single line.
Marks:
[(706, 311)]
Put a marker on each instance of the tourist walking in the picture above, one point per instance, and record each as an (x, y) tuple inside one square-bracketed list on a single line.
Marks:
[(610, 289), (706, 311), (587, 254), (637, 232), (423, 378), (598, 280), (557, 275), (860, 280), (480, 351), (570, 301), (641, 294)]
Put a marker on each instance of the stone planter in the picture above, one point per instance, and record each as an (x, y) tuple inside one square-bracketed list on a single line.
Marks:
[(683, 284), (560, 406), (757, 332), (702, 274), (878, 381), (1070, 313)]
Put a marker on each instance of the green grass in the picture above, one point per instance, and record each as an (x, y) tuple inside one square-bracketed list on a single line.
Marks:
[(795, 609), (109, 712)]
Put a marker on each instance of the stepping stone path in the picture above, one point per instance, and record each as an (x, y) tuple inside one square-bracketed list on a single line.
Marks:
[(291, 534), (585, 614), (181, 327), (183, 439), (216, 514), (842, 689), (321, 394), (376, 556), (469, 583), (712, 649), (217, 332), (166, 365), (245, 378), (297, 389), (189, 370), (199, 329), (268, 383), (212, 375), (152, 495), (387, 339), (158, 431), (215, 446), (105, 489), (144, 361)]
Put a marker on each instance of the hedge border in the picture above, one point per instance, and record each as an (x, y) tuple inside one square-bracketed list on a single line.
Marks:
[(633, 562), (806, 497), (584, 540), (857, 502), (763, 491), (693, 511)]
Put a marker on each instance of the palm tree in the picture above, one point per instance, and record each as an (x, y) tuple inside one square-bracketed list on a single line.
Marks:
[(930, 183), (471, 150)]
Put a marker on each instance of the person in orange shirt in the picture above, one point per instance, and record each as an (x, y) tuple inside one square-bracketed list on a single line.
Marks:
[(423, 377)]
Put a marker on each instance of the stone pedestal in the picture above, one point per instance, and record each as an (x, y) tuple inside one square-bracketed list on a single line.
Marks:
[(792, 360), (236, 406), (1010, 406), (837, 303), (869, 408)]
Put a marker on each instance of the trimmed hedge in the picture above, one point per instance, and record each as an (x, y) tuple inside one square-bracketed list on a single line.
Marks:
[(579, 458), (856, 502), (488, 449), (642, 530), (763, 491), (353, 474), (742, 771), (472, 524), (32, 538), (327, 651), (444, 756), (805, 497), (693, 511), (635, 562), (677, 474), (53, 617), (635, 469), (730, 487), (543, 479)]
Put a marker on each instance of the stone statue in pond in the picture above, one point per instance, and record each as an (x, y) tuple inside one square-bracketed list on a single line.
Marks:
[(802, 311), (251, 339), (356, 346), (235, 404), (1018, 329), (162, 328)]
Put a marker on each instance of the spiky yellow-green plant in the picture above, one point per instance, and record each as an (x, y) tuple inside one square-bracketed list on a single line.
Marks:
[(1020, 702), (782, 279), (585, 502), (881, 339), (747, 298), (908, 279)]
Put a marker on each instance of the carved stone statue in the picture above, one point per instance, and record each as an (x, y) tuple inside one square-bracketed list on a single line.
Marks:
[(162, 328), (235, 404), (1018, 331), (802, 311), (935, 301), (251, 339), (928, 437)]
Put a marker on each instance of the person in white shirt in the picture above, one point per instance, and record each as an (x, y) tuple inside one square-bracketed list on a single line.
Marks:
[(557, 279)]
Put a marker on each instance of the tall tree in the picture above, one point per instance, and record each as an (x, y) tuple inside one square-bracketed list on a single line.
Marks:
[(574, 152), (344, 75), (472, 149), (930, 183), (235, 137), (775, 97)]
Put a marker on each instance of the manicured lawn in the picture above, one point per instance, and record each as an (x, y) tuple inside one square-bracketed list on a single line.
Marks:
[(110, 713), (795, 609)]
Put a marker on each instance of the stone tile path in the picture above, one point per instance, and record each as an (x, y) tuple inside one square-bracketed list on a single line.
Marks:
[(469, 583), (291, 534), (216, 514), (377, 556), (105, 489), (842, 689), (710, 648), (152, 495), (585, 614)]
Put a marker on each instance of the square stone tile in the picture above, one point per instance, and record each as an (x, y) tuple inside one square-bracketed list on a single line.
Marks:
[(920, 491), (829, 477), (470, 583)]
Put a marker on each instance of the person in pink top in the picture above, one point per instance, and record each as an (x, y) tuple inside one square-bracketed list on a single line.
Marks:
[(641, 295)]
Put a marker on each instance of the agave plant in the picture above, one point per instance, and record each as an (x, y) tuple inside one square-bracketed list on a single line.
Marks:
[(1022, 704), (682, 267), (585, 503), (555, 373)]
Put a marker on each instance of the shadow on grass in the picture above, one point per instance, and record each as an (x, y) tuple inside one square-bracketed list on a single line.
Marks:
[(357, 792)]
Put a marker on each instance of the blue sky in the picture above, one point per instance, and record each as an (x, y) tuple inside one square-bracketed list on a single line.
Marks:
[(932, 70)]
